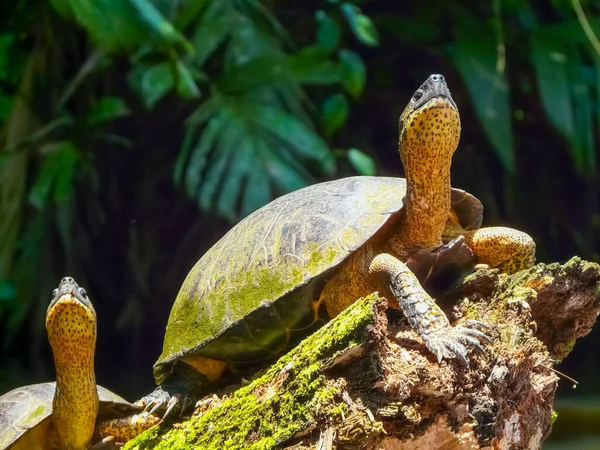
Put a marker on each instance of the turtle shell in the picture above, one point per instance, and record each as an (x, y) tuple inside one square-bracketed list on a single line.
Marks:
[(25, 414), (249, 293)]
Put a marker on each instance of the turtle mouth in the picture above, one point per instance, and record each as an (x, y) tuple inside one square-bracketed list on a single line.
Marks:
[(70, 303), (439, 102)]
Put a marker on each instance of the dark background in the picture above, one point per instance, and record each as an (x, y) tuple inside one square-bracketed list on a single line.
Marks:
[(103, 176)]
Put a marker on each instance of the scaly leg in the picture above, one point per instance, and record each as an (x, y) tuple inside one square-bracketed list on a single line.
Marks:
[(398, 283), (503, 248)]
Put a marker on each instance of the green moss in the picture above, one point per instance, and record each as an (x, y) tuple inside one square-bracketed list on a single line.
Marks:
[(198, 317), (554, 416), (287, 397)]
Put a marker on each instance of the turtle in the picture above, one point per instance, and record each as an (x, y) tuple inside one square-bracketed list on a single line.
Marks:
[(322, 248), (64, 414)]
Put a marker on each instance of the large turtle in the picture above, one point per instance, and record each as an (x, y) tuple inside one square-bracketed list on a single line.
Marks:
[(64, 414), (330, 244)]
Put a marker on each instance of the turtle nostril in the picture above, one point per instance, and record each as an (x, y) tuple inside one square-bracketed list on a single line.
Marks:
[(437, 77), (67, 280)]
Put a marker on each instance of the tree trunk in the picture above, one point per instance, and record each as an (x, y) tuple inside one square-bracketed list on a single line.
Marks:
[(366, 380)]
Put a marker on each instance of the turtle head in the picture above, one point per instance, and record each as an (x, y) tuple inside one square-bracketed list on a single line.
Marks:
[(429, 127), (70, 317)]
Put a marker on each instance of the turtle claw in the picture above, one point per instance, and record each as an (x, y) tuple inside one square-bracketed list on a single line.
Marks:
[(173, 402), (155, 402), (157, 406), (456, 342)]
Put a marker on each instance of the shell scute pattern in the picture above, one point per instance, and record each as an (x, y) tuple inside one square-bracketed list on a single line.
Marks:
[(275, 250)]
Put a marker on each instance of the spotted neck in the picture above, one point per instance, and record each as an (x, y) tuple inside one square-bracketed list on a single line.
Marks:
[(72, 336), (428, 138)]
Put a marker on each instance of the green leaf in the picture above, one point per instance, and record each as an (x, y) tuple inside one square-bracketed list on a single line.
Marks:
[(362, 163), (200, 154), (224, 158), (107, 109), (303, 141), (246, 148), (186, 85), (334, 113), (362, 26), (474, 54), (151, 83), (582, 148), (353, 72), (550, 60), (57, 170), (263, 19), (328, 31), (63, 7), (7, 291), (312, 65), (257, 192), (212, 29), (127, 24), (286, 175), (238, 170)]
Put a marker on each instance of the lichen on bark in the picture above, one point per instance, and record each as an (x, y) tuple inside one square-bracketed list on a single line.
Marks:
[(366, 380)]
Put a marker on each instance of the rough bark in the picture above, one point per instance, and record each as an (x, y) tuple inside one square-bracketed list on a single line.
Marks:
[(366, 380)]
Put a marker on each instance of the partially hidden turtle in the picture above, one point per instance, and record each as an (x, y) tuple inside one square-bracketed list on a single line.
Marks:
[(331, 244), (73, 411)]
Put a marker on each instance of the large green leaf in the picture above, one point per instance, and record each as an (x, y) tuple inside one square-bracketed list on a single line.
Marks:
[(127, 24), (242, 138), (287, 129), (211, 30), (550, 59), (311, 65), (582, 148), (475, 55)]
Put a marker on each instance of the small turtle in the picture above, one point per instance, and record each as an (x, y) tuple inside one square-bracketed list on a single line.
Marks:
[(331, 244), (65, 413)]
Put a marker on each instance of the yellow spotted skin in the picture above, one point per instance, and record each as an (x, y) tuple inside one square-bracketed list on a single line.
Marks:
[(428, 139), (502, 248), (126, 428), (71, 328), (429, 134)]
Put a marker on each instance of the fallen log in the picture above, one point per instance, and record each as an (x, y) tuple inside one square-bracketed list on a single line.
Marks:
[(366, 380)]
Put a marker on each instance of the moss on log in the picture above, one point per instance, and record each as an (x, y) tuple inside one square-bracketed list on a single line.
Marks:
[(366, 380)]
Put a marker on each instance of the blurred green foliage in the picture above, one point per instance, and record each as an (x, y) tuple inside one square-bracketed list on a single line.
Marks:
[(134, 133)]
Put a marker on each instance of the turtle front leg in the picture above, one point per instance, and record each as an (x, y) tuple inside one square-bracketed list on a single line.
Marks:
[(502, 248), (122, 429), (424, 315)]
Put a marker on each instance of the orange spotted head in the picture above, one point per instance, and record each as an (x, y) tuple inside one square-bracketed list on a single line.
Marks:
[(71, 320), (429, 126)]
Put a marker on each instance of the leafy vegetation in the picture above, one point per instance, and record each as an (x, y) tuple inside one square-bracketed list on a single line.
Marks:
[(134, 133)]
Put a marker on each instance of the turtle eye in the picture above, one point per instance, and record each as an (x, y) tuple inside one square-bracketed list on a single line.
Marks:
[(82, 292), (54, 292), (417, 96)]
